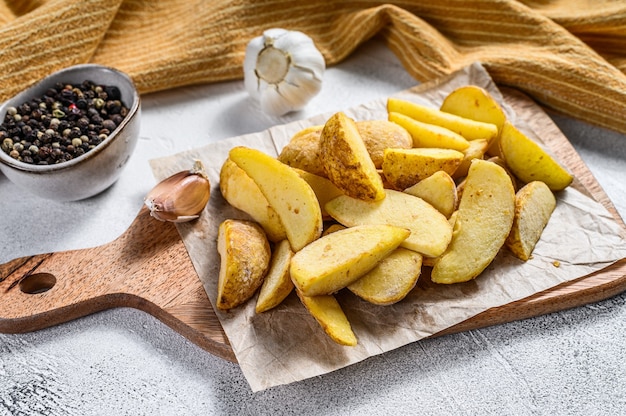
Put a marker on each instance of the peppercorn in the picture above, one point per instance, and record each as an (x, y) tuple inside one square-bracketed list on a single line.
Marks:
[(64, 123), (109, 125), (7, 145)]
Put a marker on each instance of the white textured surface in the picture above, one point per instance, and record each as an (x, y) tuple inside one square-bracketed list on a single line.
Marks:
[(124, 361)]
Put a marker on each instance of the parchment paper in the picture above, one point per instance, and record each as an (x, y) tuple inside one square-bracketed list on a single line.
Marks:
[(286, 344)]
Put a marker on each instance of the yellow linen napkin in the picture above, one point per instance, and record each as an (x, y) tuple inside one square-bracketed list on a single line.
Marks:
[(567, 54)]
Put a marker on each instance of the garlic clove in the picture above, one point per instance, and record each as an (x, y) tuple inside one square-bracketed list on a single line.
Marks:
[(180, 197), (283, 70)]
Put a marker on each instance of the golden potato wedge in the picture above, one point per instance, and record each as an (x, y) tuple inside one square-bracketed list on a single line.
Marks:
[(530, 162), (328, 313), (483, 222), (534, 204), (291, 196), (499, 161), (240, 191), (391, 280), (277, 284), (439, 190), (429, 135), (406, 167), (430, 230), (334, 261), (476, 150), (324, 189), (468, 128), (430, 261), (476, 103), (244, 259), (347, 162), (379, 135), (302, 151)]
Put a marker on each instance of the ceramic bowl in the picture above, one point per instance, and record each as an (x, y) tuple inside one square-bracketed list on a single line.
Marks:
[(93, 171)]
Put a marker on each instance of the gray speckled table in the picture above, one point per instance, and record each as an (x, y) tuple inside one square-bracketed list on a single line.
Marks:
[(124, 361)]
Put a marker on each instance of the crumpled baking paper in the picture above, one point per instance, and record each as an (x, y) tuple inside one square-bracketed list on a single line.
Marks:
[(286, 344)]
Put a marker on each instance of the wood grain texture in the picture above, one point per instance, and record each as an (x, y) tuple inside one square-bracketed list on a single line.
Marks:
[(148, 268)]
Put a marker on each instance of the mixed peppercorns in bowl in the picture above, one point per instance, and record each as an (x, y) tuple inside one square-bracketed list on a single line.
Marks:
[(69, 136)]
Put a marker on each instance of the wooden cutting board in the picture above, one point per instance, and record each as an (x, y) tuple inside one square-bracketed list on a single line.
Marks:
[(148, 268)]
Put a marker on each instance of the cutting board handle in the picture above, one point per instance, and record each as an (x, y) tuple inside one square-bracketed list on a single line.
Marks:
[(146, 268)]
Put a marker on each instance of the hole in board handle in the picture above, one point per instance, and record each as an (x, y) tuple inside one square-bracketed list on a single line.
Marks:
[(37, 283)]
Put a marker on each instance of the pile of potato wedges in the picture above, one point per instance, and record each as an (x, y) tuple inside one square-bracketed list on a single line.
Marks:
[(365, 205)]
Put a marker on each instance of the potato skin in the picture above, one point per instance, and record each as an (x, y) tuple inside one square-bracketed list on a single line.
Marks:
[(245, 257), (346, 160), (302, 151), (379, 135)]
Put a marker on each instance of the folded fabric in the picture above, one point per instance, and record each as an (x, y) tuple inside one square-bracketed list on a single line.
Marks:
[(566, 54)]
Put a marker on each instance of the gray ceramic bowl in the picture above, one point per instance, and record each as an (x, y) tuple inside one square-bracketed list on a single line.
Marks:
[(95, 170)]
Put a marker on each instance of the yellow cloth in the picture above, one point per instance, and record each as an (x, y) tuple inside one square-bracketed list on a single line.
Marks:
[(567, 54)]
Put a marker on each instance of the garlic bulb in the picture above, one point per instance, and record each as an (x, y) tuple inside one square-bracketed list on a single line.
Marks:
[(283, 70), (180, 197)]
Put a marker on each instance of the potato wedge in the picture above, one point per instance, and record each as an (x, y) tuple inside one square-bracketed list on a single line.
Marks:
[(499, 161), (244, 260), (476, 150), (530, 162), (430, 261), (476, 103), (291, 196), (302, 151), (406, 167), (534, 204), (328, 313), (338, 259), (277, 284), (391, 280), (469, 129), (242, 192), (379, 135), (324, 189), (439, 190), (483, 222), (346, 160), (429, 135), (430, 230)]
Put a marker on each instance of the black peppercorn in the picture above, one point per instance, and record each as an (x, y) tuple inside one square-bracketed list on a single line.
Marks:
[(64, 123), (109, 125), (113, 92)]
